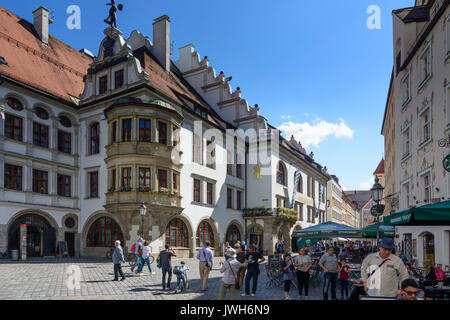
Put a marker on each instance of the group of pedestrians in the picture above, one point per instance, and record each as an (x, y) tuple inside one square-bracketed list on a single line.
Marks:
[(239, 268), (382, 273)]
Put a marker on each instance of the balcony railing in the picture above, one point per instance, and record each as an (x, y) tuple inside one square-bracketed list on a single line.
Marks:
[(163, 196)]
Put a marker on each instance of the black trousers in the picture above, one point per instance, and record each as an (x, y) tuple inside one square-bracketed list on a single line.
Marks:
[(167, 272), (287, 285), (303, 282), (117, 271)]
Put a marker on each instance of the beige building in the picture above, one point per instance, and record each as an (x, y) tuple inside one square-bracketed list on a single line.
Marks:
[(388, 131), (421, 109)]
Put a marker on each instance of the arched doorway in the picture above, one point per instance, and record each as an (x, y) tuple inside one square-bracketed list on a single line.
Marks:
[(205, 233), (103, 233), (256, 237), (428, 247), (177, 234), (295, 238), (233, 235), (41, 236)]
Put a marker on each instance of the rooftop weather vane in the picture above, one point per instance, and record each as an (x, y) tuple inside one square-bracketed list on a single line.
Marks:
[(112, 18)]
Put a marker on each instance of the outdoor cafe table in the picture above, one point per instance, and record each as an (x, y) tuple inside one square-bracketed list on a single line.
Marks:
[(439, 293)]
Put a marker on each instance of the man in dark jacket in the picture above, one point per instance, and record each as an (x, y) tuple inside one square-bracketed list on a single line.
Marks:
[(118, 259)]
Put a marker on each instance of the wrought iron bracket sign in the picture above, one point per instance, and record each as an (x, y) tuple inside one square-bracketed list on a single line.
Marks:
[(377, 210)]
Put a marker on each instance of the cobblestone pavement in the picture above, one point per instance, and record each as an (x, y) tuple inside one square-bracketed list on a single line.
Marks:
[(46, 279)]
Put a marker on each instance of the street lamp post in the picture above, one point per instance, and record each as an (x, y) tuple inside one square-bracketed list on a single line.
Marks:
[(143, 212), (377, 196)]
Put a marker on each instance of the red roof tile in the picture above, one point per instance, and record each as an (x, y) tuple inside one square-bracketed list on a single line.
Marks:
[(380, 168), (56, 68)]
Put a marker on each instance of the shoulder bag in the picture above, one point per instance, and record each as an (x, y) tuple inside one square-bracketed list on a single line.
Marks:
[(207, 262), (236, 280)]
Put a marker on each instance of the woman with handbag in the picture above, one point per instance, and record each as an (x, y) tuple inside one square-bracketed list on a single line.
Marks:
[(230, 269), (288, 274)]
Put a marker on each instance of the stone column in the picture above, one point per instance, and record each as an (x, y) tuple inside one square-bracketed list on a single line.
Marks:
[(154, 131), (76, 138), (3, 237), (134, 129)]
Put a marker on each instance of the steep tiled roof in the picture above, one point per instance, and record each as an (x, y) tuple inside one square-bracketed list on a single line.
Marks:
[(413, 14), (359, 197), (380, 168), (55, 68)]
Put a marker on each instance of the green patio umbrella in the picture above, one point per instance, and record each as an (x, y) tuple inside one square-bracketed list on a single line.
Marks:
[(307, 242), (385, 231), (328, 230)]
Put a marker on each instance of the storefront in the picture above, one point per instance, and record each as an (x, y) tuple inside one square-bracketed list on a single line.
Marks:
[(423, 233)]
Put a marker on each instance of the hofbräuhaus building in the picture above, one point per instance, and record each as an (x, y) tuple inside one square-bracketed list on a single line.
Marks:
[(86, 139)]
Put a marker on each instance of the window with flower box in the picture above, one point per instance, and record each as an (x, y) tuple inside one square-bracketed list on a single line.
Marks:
[(145, 180)]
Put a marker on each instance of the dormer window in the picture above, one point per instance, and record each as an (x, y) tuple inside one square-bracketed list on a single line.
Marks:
[(41, 113), (14, 104), (65, 122), (103, 85)]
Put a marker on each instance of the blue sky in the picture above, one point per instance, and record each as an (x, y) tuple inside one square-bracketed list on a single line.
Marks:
[(314, 67)]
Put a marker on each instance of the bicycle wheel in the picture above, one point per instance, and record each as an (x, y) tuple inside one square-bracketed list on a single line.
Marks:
[(131, 259), (152, 259)]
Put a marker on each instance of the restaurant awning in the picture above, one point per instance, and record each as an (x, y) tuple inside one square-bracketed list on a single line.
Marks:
[(432, 214), (385, 231), (328, 230)]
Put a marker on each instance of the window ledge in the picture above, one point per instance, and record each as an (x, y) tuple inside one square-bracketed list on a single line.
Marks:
[(424, 144), (406, 157), (424, 82), (405, 104)]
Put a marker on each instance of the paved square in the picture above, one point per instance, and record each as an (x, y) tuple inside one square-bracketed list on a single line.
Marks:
[(46, 279)]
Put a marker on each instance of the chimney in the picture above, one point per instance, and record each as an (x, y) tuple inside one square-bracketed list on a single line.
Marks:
[(161, 41), (41, 22)]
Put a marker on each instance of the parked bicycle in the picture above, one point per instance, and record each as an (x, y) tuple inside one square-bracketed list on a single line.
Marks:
[(131, 258)]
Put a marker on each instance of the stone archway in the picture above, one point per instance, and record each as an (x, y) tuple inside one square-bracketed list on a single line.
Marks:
[(42, 233), (100, 251), (216, 240), (234, 233), (283, 234), (185, 251)]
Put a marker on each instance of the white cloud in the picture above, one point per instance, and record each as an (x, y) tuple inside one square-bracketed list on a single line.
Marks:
[(314, 133), (285, 117), (367, 185)]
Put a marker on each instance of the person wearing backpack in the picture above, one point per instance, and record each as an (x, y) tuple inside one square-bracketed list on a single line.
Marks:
[(230, 279), (135, 248), (180, 272), (205, 257)]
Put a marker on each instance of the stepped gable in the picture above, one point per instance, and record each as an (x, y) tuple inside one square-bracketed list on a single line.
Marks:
[(56, 68)]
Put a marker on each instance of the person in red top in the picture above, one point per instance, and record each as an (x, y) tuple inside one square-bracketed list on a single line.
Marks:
[(344, 269)]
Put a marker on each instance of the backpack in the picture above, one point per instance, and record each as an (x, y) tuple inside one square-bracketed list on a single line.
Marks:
[(133, 247), (177, 270), (440, 274)]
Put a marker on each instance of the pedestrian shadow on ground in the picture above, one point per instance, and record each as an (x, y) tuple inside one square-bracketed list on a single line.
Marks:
[(139, 290)]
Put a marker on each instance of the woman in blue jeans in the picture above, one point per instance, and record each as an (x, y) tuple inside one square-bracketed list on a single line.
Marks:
[(145, 259)]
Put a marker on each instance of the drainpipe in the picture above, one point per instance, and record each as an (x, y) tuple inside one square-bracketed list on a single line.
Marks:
[(246, 189)]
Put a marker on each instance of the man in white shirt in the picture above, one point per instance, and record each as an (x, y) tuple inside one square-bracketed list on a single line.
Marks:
[(380, 271)]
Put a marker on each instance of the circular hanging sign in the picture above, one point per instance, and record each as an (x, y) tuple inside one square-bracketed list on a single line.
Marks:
[(447, 163)]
